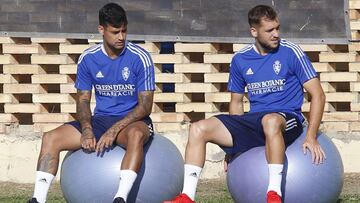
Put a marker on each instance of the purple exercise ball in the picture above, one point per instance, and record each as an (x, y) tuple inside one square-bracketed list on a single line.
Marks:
[(88, 178), (303, 181)]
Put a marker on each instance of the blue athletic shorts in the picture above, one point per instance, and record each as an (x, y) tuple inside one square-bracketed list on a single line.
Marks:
[(247, 131), (101, 124)]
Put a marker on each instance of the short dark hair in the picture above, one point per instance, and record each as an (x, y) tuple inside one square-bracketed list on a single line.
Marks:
[(112, 14), (258, 12)]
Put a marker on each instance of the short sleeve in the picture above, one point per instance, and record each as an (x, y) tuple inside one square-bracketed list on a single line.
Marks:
[(145, 73), (83, 78), (301, 65), (236, 81)]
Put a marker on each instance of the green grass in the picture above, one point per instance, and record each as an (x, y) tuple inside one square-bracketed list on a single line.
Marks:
[(354, 198), (209, 191), (20, 193)]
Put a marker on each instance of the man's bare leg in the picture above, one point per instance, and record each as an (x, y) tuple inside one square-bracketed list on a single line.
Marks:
[(201, 132), (65, 137), (274, 126), (133, 138)]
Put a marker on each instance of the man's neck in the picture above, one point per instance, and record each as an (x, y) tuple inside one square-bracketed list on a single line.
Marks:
[(262, 50), (111, 52)]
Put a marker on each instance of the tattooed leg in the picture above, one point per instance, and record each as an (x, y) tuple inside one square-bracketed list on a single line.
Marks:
[(48, 163), (66, 137)]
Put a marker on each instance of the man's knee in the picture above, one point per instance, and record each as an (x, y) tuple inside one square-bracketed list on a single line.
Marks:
[(61, 138), (49, 139), (273, 123), (198, 131), (136, 135)]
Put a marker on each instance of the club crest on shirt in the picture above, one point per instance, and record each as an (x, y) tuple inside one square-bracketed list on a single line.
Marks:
[(277, 67), (125, 73)]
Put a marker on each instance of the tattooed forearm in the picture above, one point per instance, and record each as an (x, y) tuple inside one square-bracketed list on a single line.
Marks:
[(83, 111), (143, 109), (48, 163), (146, 101)]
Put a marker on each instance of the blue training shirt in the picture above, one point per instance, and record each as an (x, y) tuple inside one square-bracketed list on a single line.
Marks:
[(274, 81), (116, 82)]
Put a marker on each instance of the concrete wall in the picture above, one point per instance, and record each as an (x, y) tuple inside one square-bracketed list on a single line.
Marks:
[(20, 148)]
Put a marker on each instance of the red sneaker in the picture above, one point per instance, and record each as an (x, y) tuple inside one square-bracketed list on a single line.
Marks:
[(273, 197), (182, 198)]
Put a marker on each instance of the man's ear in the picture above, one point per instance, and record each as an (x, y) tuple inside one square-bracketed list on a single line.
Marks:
[(101, 29), (253, 32)]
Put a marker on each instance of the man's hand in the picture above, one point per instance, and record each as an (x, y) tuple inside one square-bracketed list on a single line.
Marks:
[(317, 153), (106, 140), (87, 140)]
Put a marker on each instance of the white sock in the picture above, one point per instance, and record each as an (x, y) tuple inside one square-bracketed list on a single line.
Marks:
[(191, 177), (42, 185), (275, 177), (127, 179)]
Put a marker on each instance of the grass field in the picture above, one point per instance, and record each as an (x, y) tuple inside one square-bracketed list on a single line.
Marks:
[(209, 191)]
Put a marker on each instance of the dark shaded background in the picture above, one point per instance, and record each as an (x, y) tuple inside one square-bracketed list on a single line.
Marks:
[(323, 21)]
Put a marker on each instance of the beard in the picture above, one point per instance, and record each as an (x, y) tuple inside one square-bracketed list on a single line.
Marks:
[(268, 47)]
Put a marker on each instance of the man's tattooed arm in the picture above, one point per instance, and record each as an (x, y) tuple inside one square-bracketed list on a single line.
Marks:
[(83, 111), (143, 109)]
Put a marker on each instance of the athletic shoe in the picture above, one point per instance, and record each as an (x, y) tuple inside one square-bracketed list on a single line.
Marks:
[(273, 197), (182, 198), (119, 200), (32, 200)]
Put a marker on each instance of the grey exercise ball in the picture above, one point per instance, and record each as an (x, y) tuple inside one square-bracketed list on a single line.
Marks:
[(303, 181), (88, 178)]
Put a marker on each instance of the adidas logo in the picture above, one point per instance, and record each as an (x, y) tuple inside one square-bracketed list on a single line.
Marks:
[(43, 180), (99, 75), (249, 72), (150, 128), (193, 174)]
